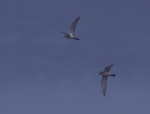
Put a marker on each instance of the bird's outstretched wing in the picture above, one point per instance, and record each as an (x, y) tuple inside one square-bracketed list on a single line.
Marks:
[(62, 32), (73, 25), (104, 84), (107, 69)]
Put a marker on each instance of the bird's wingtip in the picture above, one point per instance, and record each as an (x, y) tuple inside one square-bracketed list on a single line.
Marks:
[(78, 17), (61, 32)]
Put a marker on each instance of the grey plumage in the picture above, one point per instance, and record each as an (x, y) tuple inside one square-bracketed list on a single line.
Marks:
[(73, 25), (71, 34), (104, 84), (104, 75)]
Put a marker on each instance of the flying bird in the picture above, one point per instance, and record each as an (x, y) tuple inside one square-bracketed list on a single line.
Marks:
[(71, 34), (104, 75)]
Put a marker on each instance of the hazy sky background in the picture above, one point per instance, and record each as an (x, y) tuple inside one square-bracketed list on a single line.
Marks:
[(44, 73)]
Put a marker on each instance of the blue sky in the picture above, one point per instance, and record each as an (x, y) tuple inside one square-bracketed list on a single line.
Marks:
[(42, 72)]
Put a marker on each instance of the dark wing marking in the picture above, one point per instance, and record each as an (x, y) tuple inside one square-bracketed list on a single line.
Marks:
[(62, 32), (107, 69)]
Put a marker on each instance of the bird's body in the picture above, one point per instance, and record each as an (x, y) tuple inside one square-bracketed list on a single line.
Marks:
[(71, 34), (104, 75)]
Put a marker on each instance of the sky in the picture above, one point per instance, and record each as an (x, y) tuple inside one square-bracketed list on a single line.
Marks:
[(42, 72)]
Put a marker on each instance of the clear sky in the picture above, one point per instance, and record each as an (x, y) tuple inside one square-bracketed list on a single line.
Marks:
[(42, 72)]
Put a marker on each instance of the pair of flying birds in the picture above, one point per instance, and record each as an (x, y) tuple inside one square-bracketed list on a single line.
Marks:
[(106, 72)]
